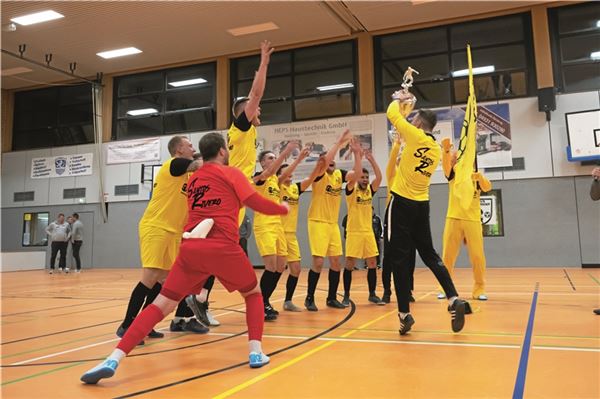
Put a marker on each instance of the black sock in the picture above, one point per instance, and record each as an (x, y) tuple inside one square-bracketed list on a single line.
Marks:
[(136, 301), (313, 279), (266, 282), (347, 282), (276, 277), (334, 281), (290, 287), (152, 294), (208, 286), (183, 310), (372, 280)]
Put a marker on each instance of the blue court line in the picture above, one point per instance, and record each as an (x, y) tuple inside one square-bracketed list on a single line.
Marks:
[(521, 374)]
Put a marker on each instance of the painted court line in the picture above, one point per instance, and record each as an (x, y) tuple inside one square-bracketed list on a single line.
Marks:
[(519, 389), (301, 357)]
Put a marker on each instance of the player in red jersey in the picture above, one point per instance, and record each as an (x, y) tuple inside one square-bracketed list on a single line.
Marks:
[(217, 192)]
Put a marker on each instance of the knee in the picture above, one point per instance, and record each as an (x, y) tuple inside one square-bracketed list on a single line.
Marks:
[(253, 291), (317, 264)]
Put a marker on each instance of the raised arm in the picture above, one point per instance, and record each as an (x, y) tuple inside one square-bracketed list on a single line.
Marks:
[(377, 182), (272, 169), (484, 184), (408, 132), (447, 157), (390, 169), (260, 80), (317, 171), (353, 176), (287, 172)]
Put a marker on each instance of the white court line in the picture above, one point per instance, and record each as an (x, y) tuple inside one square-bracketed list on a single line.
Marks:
[(463, 344), (114, 339)]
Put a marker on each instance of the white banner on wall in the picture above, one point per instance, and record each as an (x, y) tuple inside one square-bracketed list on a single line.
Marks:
[(133, 151), (62, 166), (320, 136)]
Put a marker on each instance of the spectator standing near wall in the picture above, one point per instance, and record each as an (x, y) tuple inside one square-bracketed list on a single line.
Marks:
[(77, 240), (60, 233), (595, 195)]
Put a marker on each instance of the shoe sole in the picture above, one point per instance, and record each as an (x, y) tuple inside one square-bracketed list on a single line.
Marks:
[(93, 378), (459, 318), (200, 315), (258, 365)]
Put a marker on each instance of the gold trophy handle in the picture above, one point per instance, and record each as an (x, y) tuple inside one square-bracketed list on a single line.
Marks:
[(406, 104)]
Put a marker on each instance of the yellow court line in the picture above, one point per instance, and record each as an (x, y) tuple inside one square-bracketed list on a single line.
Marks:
[(303, 356)]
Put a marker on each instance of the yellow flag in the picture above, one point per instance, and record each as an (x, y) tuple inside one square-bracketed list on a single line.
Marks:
[(464, 168)]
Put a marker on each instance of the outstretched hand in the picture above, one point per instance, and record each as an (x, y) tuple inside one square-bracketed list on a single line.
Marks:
[(266, 50)]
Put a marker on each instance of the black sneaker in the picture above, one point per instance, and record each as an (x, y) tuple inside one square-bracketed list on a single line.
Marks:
[(176, 327), (405, 324), (386, 299), (155, 334), (468, 309), (309, 304), (374, 299), (334, 303), (121, 331), (597, 311), (194, 326), (411, 298), (270, 313), (199, 309), (346, 301), (457, 310)]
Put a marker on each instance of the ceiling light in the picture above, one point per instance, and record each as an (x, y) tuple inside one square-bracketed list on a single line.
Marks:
[(336, 87), (142, 111), (188, 82), (476, 71), (15, 71), (37, 17), (247, 30), (595, 55), (119, 52)]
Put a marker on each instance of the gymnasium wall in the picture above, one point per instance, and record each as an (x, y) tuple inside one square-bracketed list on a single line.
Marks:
[(548, 216)]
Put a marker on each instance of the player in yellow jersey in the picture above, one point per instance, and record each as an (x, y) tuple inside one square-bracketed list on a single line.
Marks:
[(241, 142), (464, 224), (323, 227), (290, 193), (160, 232), (360, 241), (268, 230), (407, 215), (241, 137)]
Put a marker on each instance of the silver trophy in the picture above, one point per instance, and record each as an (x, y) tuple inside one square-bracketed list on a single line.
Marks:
[(407, 99)]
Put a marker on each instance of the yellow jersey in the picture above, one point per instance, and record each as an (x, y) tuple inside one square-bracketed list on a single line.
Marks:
[(419, 159), (360, 213), (167, 208), (326, 197), (269, 189), (291, 195), (456, 211), (241, 141)]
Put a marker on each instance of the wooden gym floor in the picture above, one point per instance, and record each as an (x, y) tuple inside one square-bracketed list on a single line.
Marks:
[(535, 337)]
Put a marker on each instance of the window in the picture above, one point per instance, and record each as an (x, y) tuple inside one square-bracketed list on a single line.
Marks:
[(164, 102), (34, 229), (305, 83), (504, 43), (575, 33), (53, 117)]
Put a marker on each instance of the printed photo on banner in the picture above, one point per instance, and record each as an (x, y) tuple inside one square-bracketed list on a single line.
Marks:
[(494, 142), (491, 213), (319, 136)]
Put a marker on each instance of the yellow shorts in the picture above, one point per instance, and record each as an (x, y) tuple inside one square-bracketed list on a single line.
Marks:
[(158, 247), (324, 238), (270, 240), (361, 245), (293, 249)]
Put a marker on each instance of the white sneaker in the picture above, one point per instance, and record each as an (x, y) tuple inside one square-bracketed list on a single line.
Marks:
[(67, 270), (482, 297), (258, 359), (78, 271), (213, 322), (441, 295), (51, 271)]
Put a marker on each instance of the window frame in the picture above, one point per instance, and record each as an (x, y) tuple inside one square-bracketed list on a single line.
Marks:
[(556, 49), (163, 113), (526, 42), (292, 74)]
